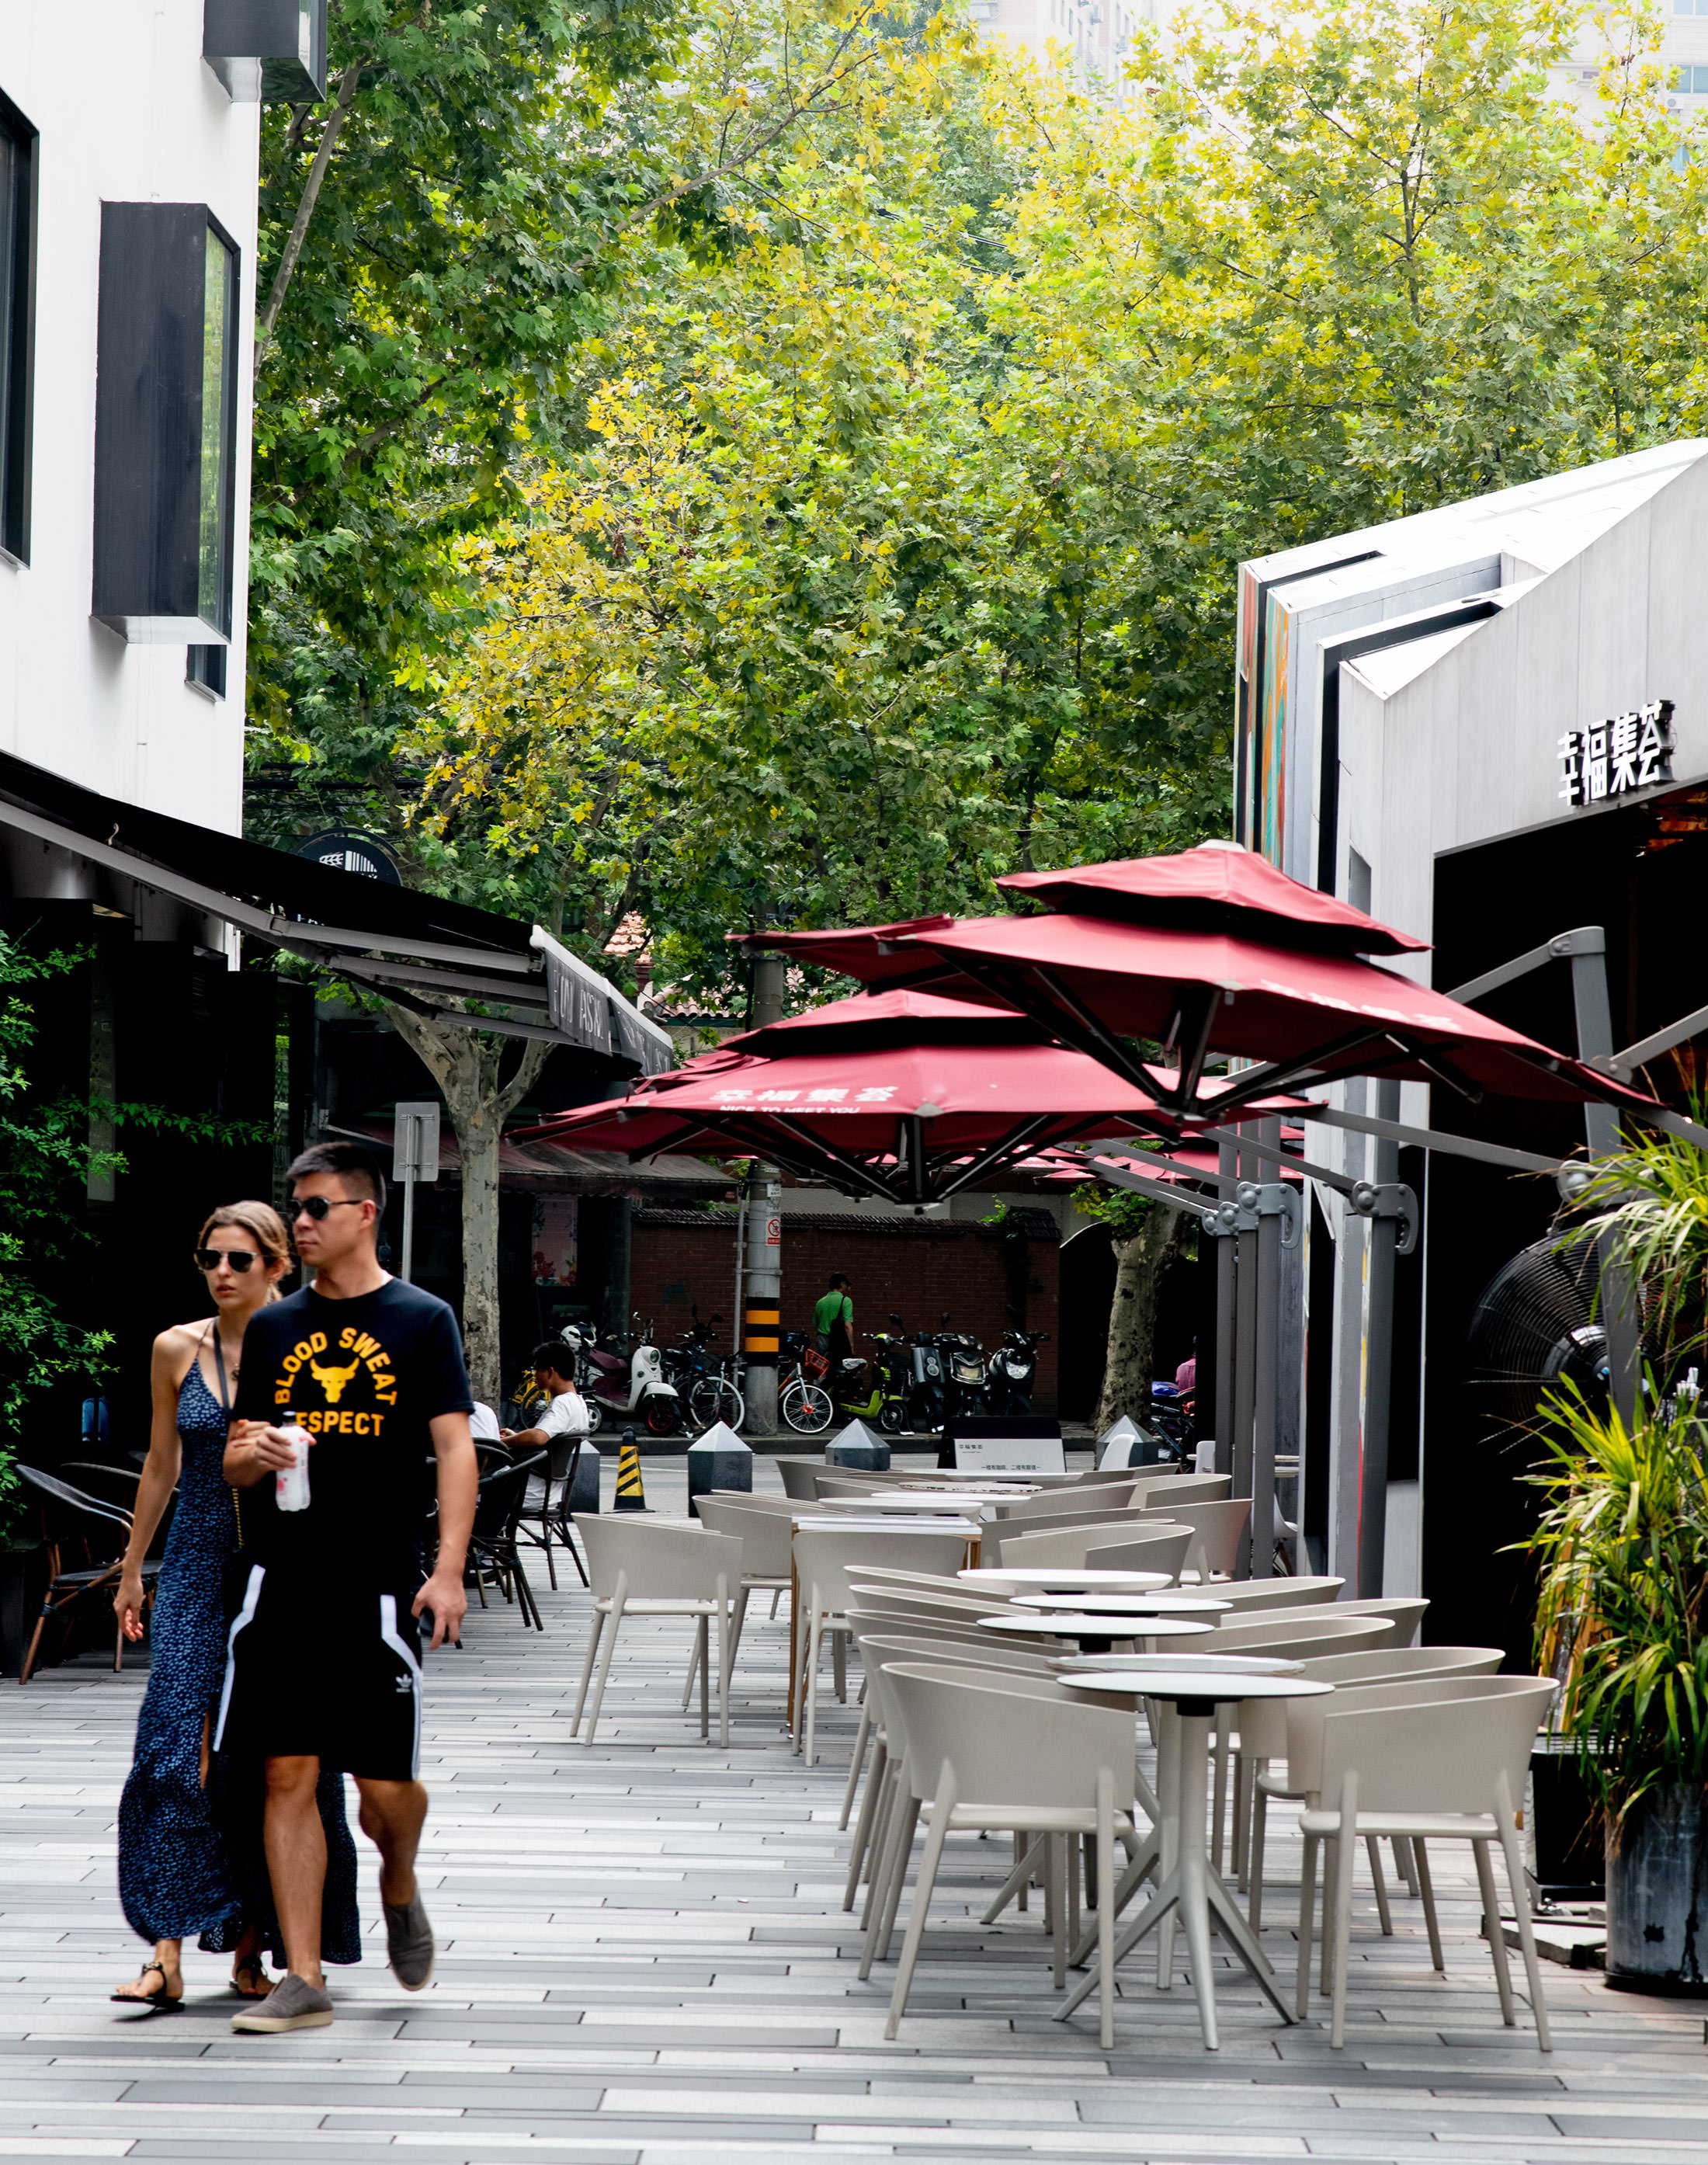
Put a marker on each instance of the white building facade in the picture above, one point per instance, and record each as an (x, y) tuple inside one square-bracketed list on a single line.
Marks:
[(114, 117), (1488, 725)]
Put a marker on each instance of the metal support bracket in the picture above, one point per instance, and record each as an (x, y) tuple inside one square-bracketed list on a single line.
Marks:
[(1582, 939), (1389, 1198), (1273, 1199), (1229, 1219)]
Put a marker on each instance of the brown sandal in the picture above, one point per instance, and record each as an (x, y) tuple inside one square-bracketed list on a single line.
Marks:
[(165, 2001)]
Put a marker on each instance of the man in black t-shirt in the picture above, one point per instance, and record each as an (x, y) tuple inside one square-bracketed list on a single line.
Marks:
[(323, 1668)]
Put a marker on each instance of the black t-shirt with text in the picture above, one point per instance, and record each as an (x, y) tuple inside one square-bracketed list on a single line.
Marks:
[(365, 1376)]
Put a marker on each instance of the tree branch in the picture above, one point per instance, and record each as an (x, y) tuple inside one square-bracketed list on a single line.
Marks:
[(748, 151), (305, 209), (535, 1052)]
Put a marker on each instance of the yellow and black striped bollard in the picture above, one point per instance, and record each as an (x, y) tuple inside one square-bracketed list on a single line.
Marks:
[(631, 1496)]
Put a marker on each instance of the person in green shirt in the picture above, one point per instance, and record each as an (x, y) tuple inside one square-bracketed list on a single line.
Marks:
[(833, 1318)]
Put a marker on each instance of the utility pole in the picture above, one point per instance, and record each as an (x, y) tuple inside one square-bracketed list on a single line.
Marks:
[(762, 1313)]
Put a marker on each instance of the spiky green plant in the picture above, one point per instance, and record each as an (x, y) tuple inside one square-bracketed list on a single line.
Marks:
[(1623, 1613), (1649, 1203)]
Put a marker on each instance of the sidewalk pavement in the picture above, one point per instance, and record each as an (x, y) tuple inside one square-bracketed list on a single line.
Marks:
[(644, 1962)]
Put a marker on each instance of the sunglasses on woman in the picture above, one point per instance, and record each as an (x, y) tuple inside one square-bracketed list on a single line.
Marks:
[(210, 1259)]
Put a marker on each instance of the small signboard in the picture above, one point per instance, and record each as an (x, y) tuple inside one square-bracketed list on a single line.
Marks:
[(1628, 751), (415, 1141), (1010, 1454)]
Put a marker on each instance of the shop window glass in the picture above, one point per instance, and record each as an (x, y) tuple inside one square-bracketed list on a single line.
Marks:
[(218, 353), (205, 666), (166, 423), (17, 328)]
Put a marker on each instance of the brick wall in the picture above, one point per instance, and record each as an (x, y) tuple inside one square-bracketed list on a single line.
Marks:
[(916, 1266)]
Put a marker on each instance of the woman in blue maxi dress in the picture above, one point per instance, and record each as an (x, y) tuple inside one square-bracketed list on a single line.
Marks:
[(187, 1864)]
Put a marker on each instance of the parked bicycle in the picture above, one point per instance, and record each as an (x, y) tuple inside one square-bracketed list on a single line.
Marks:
[(705, 1384)]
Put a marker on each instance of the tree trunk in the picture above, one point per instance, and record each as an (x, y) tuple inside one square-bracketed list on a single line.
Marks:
[(465, 1064), (477, 1133), (1140, 1263)]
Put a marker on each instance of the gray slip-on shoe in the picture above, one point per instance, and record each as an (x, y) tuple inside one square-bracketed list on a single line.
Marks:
[(293, 2004), (409, 1942)]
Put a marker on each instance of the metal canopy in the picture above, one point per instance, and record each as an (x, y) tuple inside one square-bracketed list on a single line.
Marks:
[(413, 948)]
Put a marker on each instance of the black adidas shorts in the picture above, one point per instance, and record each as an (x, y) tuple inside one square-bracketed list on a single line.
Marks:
[(336, 1679)]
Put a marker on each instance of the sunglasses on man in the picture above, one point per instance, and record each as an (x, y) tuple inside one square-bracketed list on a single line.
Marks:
[(317, 1206)]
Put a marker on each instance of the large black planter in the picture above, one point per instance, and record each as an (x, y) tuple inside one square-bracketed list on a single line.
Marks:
[(22, 1575), (1657, 1897)]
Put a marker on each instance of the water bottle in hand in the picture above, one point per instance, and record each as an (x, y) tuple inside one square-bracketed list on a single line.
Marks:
[(291, 1483)]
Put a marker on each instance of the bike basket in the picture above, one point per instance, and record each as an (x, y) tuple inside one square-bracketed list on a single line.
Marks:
[(814, 1365)]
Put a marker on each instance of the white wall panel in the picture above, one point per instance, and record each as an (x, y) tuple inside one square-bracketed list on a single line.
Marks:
[(126, 112)]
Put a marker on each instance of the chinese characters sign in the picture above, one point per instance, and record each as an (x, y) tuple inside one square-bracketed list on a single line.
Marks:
[(825, 1100), (1609, 758)]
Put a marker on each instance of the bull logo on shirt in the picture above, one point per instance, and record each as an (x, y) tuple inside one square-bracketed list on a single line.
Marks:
[(332, 1381)]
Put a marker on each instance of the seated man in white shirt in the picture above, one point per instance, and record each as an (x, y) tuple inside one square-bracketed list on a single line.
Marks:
[(554, 1366)]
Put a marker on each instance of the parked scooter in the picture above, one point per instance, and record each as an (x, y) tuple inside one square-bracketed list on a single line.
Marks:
[(927, 1396), (631, 1385), (855, 1389), (1012, 1369), (1171, 1415), (967, 1385)]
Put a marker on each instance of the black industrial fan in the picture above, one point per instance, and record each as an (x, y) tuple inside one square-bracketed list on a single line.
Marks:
[(1533, 1329)]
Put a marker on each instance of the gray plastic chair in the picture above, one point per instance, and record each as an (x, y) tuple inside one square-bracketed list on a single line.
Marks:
[(1220, 1529), (828, 1560), (641, 1570), (1073, 1550), (1262, 1725), (1440, 1761), (985, 1752), (765, 1537)]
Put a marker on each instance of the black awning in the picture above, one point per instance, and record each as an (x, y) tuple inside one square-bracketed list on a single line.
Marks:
[(413, 947)]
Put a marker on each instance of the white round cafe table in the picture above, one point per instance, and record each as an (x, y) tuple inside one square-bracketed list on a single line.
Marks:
[(993, 1476), (1160, 1603), (909, 1499), (1188, 1881), (1210, 1665), (1097, 1634), (994, 1580)]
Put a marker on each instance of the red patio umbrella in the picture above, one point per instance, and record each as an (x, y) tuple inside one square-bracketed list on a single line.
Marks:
[(1305, 1017), (904, 1016), (911, 1123), (1219, 887)]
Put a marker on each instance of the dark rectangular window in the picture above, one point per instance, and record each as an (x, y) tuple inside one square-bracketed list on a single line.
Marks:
[(271, 49), (17, 324), (166, 423), (206, 666)]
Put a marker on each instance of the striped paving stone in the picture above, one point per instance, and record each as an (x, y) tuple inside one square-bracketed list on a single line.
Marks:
[(644, 1958)]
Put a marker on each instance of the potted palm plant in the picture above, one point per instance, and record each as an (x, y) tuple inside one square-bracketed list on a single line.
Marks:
[(1623, 1544), (1623, 1616), (18, 1567)]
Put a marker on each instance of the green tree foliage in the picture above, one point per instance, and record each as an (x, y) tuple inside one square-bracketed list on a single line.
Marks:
[(438, 242), (889, 543)]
